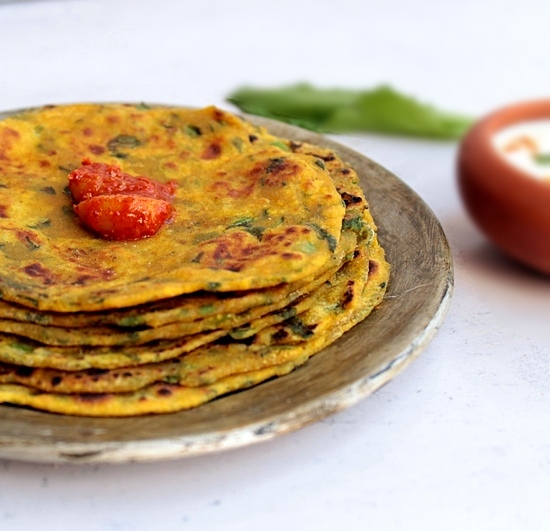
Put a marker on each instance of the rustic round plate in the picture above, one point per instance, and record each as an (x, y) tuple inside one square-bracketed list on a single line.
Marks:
[(363, 360)]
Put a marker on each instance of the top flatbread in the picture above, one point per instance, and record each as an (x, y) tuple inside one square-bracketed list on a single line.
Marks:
[(249, 214)]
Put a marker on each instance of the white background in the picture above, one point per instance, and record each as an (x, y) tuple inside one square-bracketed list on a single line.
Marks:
[(461, 439)]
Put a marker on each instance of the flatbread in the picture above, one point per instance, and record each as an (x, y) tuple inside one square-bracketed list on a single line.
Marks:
[(248, 215), (187, 308)]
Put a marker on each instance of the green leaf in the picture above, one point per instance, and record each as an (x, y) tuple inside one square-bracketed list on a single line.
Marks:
[(386, 111), (207, 309), (281, 145), (299, 328), (321, 164), (301, 104), (256, 231), (192, 130), (40, 224), (323, 234), (122, 142), (30, 244), (542, 158), (23, 346), (380, 110), (242, 222), (307, 247), (238, 144), (355, 224), (131, 321)]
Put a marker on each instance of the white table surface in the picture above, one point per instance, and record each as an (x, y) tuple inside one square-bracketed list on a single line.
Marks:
[(461, 439)]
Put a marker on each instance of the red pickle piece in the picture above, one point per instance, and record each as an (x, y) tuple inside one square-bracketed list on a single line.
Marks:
[(96, 178), (119, 206), (124, 217)]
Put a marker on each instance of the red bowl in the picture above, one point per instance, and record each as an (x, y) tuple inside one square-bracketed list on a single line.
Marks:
[(510, 206)]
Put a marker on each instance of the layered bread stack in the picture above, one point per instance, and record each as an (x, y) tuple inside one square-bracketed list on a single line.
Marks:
[(270, 255)]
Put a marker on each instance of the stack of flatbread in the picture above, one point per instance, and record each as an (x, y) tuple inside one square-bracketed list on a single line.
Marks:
[(271, 255)]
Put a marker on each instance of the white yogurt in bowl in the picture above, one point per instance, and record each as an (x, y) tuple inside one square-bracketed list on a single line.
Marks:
[(526, 145)]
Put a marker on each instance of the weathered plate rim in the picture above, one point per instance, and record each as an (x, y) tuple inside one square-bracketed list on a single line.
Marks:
[(399, 352)]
